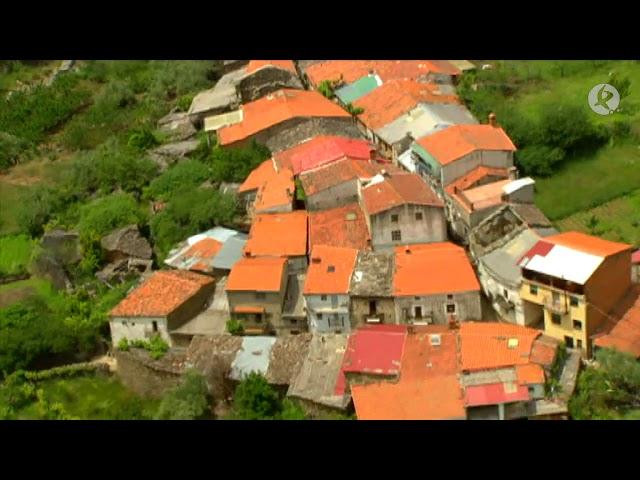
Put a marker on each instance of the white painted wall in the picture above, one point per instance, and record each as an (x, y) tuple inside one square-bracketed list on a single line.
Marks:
[(319, 312), (137, 328)]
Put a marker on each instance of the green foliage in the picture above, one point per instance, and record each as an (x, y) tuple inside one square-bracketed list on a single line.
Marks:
[(189, 212), (175, 78), (31, 115), (300, 195), (608, 390), (291, 410), (188, 401), (326, 88), (156, 346), (15, 254), (354, 110), (552, 386), (235, 164), (142, 139), (105, 214), (11, 149), (184, 102), (123, 345), (37, 208), (255, 399), (187, 174), (234, 327), (539, 160), (620, 83)]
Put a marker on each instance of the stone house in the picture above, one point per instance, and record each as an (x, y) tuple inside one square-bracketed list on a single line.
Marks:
[(267, 189), (402, 209), (435, 283), (262, 77), (326, 289), (371, 289), (162, 303)]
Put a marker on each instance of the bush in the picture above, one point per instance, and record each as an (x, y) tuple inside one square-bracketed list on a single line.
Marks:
[(187, 174), (11, 148), (234, 327), (620, 83), (291, 410), (569, 128), (326, 88), (142, 139), (188, 401), (15, 254), (37, 208), (539, 160), (354, 110), (105, 214), (157, 347), (123, 345), (255, 399), (184, 102), (235, 164), (175, 78)]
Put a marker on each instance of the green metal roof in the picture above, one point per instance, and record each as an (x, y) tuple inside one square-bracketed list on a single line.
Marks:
[(359, 88)]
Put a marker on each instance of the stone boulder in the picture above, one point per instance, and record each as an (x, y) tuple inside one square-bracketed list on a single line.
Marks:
[(167, 154), (62, 246), (126, 242), (177, 126)]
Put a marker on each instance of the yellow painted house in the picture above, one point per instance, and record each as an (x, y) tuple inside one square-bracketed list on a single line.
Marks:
[(570, 282)]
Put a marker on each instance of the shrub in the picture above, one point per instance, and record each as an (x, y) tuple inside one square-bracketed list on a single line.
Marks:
[(187, 174), (175, 78), (11, 147), (255, 399), (234, 327), (105, 214), (235, 164), (142, 139), (620, 83), (569, 128), (291, 410), (123, 345), (354, 110), (188, 401), (539, 160), (184, 102), (157, 347), (37, 208), (326, 88)]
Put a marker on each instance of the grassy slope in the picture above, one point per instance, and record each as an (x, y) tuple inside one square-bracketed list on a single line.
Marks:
[(16, 291), (15, 253)]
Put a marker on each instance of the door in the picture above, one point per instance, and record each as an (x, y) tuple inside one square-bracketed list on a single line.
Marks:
[(418, 312), (372, 308)]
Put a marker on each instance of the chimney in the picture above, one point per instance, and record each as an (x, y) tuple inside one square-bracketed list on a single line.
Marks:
[(513, 173), (492, 120), (407, 250)]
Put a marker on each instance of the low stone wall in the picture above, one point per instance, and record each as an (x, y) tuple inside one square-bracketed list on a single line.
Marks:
[(14, 278), (148, 377)]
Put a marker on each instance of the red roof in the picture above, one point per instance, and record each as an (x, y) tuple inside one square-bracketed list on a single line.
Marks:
[(257, 274), (635, 257), (394, 98), (472, 178), (330, 270), (624, 334), (529, 374), (398, 189), (454, 142), (276, 108), (432, 269), (278, 234), (282, 64), (495, 393), (375, 349), (161, 294), (339, 227), (342, 171), (486, 345), (322, 150), (587, 243)]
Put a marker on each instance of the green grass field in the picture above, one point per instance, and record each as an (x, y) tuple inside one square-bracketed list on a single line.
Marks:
[(34, 286), (10, 195), (92, 397), (15, 254)]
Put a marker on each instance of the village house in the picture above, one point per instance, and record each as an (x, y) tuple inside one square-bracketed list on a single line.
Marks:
[(267, 189), (339, 227), (256, 290), (161, 304), (262, 77), (402, 209), (284, 119), (570, 282), (621, 330), (371, 289), (434, 283), (280, 235), (326, 289), (218, 100), (212, 252)]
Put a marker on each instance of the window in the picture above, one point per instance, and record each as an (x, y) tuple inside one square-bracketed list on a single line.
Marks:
[(396, 236), (533, 289), (331, 268), (574, 301), (449, 297), (258, 318), (577, 325), (556, 318), (124, 323), (569, 341), (261, 295), (133, 324), (394, 218), (417, 312), (323, 298), (335, 321), (295, 332), (579, 343), (451, 308), (294, 321), (417, 298), (155, 326), (419, 216)]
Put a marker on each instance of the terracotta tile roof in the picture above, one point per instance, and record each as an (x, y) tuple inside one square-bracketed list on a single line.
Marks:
[(624, 334), (335, 173), (282, 64), (258, 176), (485, 346), (351, 70), (470, 179), (276, 191), (161, 294), (544, 351), (398, 189), (330, 270), (478, 198), (339, 227), (396, 97), (204, 252), (437, 398), (432, 269), (278, 234), (262, 274), (276, 108), (454, 142), (529, 374), (588, 244), (322, 150), (494, 394)]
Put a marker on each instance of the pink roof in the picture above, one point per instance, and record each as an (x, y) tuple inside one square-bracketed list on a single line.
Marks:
[(635, 257), (494, 394)]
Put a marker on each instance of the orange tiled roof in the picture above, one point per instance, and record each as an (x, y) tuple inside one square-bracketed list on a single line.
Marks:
[(277, 108), (437, 398), (257, 274), (278, 234), (339, 227), (282, 64), (588, 244), (544, 350), (258, 176), (432, 269), (624, 334), (161, 294), (456, 141), (279, 190), (330, 270), (335, 173), (529, 374), (485, 346), (204, 250), (396, 97), (351, 70), (470, 179), (396, 190)]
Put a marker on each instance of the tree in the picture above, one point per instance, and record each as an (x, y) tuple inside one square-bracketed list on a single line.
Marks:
[(255, 399), (187, 174), (235, 164), (105, 214), (539, 160), (608, 390), (188, 401), (11, 147), (569, 127)]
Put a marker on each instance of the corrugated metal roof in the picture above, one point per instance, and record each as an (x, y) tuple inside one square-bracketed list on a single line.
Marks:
[(562, 262), (252, 357), (503, 261), (230, 252), (359, 88)]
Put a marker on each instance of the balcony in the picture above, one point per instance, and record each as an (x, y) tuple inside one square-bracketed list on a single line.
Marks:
[(557, 306)]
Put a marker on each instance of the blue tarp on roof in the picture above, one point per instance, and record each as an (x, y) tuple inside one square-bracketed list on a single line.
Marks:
[(359, 88), (254, 356)]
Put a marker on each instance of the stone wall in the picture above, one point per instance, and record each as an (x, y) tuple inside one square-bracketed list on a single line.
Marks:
[(266, 81), (147, 377)]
